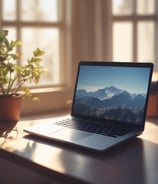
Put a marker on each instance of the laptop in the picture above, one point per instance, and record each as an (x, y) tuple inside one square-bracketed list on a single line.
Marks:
[(109, 106)]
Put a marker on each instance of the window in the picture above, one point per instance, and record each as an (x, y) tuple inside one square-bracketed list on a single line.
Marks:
[(134, 30), (38, 23), (43, 24)]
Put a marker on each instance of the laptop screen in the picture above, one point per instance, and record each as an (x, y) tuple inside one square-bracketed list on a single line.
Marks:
[(112, 91)]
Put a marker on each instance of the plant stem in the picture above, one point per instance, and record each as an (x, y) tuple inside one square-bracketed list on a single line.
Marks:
[(18, 86), (2, 90), (9, 83)]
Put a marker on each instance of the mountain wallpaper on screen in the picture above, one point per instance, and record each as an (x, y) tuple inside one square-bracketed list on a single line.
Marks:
[(111, 103)]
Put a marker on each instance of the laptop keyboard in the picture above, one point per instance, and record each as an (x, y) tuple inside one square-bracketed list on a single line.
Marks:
[(94, 128)]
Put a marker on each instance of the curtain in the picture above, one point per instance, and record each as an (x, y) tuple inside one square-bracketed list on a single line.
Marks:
[(91, 30)]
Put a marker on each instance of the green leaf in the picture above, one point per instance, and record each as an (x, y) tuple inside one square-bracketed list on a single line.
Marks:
[(15, 56), (35, 60), (14, 44), (3, 34), (38, 52), (6, 43)]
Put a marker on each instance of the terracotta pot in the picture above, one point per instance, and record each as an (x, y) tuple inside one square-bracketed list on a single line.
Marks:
[(10, 108)]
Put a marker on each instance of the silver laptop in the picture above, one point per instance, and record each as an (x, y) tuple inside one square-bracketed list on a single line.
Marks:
[(109, 106)]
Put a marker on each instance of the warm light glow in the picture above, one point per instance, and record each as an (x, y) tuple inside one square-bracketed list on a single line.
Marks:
[(151, 132)]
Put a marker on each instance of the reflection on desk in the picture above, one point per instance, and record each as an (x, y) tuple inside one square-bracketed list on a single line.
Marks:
[(135, 162)]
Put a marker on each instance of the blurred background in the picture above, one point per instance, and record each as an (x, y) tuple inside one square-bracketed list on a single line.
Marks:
[(73, 30)]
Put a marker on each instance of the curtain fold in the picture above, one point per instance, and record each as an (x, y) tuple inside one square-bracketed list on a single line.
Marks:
[(91, 30)]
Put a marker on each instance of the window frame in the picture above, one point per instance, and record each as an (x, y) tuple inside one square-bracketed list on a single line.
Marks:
[(135, 18)]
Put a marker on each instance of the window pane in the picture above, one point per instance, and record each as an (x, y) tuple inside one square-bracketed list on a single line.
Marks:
[(122, 7), (122, 41), (39, 10), (145, 6), (48, 40), (9, 10), (146, 41)]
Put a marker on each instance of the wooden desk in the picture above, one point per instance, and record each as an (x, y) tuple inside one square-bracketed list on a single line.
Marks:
[(25, 159)]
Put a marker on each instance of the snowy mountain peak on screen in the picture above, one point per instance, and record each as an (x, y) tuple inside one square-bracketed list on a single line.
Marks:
[(101, 94)]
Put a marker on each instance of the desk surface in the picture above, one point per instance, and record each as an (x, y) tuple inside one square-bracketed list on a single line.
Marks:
[(133, 162)]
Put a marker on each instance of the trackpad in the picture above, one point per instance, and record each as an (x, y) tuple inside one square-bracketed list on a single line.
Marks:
[(69, 135)]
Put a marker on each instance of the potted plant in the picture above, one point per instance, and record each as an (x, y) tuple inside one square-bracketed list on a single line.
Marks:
[(152, 110), (15, 79)]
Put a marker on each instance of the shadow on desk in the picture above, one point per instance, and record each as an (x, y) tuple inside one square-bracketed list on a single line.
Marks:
[(125, 163), (5, 130)]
